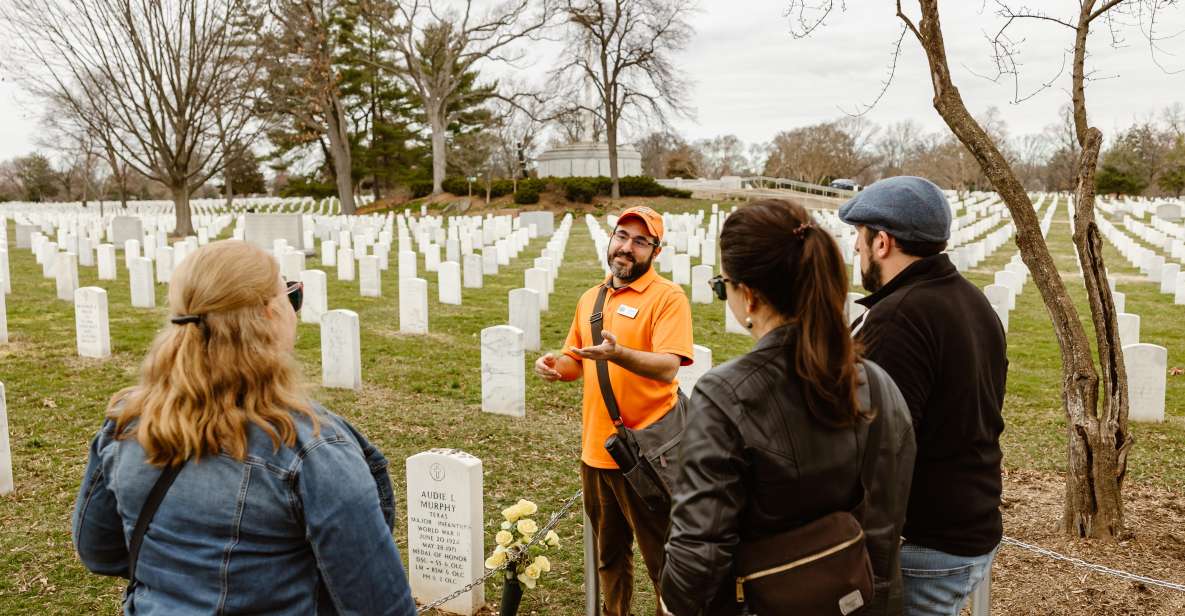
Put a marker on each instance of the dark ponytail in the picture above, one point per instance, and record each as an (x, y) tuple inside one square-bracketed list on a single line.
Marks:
[(774, 248)]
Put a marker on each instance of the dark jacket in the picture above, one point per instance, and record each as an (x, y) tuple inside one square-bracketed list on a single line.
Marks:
[(757, 463), (938, 337)]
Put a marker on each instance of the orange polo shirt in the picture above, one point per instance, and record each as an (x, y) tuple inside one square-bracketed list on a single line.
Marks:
[(650, 314)]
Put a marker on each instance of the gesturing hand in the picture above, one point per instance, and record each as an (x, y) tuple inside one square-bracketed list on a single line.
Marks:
[(608, 350), (545, 367)]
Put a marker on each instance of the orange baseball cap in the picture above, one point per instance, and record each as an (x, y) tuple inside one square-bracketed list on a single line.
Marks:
[(650, 218)]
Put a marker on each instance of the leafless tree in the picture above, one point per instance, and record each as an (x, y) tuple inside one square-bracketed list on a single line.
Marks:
[(821, 152), (301, 81), (156, 68), (622, 50), (1099, 440), (436, 49), (518, 126), (723, 155)]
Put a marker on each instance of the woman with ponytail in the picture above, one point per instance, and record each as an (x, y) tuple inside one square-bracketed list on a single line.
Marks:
[(776, 438), (216, 485)]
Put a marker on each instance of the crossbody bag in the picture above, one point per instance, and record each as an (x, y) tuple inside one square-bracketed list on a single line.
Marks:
[(648, 458), (151, 504), (821, 568)]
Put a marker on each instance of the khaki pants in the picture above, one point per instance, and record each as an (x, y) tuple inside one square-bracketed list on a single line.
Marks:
[(618, 516)]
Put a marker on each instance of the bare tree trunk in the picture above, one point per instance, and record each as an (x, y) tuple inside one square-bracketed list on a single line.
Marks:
[(611, 140), (181, 209), (229, 188), (339, 149), (1097, 448), (436, 121)]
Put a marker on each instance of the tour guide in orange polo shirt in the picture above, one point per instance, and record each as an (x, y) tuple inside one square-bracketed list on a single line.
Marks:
[(647, 336)]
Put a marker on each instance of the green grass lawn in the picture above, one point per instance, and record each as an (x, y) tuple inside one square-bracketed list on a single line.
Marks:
[(421, 392)]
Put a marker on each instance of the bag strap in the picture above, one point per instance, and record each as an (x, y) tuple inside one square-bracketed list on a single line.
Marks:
[(159, 489), (596, 322)]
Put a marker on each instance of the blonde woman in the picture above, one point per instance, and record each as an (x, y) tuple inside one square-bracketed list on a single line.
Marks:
[(276, 505)]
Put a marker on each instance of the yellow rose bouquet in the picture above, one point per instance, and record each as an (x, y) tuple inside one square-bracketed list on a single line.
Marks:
[(524, 565)]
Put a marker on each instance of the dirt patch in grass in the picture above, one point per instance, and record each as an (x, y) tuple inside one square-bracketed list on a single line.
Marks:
[(1024, 582)]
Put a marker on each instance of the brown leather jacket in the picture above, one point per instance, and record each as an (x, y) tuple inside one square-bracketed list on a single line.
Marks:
[(756, 463)]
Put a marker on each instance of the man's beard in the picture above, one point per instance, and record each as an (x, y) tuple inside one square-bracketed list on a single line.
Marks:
[(871, 278), (631, 272)]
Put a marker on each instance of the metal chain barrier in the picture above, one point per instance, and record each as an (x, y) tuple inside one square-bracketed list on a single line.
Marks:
[(539, 536), (1078, 562)]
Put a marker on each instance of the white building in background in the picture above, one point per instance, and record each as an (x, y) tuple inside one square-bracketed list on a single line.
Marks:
[(587, 159)]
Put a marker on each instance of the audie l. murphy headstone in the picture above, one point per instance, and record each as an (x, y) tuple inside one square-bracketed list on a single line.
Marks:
[(444, 527)]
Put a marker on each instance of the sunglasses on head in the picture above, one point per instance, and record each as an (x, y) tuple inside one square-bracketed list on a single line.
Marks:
[(295, 293), (719, 287)]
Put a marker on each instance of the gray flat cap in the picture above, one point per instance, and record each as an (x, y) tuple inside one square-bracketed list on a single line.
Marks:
[(906, 207)]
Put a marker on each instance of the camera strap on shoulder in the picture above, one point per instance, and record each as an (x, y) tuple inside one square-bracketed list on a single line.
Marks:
[(151, 504), (596, 323)]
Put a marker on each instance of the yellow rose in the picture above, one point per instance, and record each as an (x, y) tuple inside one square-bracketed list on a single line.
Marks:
[(543, 564), (532, 571), (512, 513), (529, 582), (504, 538), (527, 507), (552, 539), (527, 527), (497, 559)]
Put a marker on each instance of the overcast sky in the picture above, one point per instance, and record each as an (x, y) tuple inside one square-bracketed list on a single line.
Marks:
[(751, 78)]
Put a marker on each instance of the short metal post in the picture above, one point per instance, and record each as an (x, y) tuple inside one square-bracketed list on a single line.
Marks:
[(981, 597), (592, 588)]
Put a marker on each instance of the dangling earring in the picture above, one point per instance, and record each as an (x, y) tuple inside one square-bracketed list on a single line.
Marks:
[(748, 323)]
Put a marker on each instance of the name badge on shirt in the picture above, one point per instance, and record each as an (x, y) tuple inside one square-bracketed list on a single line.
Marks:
[(628, 312)]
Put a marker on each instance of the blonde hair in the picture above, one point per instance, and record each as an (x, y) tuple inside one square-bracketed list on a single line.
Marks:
[(203, 383)]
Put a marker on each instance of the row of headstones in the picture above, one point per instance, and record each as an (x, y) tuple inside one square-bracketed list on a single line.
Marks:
[(1168, 275), (503, 378)]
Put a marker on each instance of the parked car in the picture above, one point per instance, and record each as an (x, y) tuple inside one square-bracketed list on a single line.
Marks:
[(846, 185)]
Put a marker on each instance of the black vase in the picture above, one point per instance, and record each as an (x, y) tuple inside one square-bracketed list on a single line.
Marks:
[(512, 595)]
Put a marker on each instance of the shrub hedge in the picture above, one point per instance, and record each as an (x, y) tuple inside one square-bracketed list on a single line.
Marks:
[(578, 189)]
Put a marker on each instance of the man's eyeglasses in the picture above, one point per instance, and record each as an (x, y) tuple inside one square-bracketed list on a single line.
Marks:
[(638, 241), (718, 284), (295, 293)]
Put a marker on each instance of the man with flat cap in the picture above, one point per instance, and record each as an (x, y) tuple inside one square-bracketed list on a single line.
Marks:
[(939, 338)]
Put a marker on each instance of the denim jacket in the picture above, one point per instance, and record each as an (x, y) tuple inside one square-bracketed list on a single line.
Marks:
[(299, 530)]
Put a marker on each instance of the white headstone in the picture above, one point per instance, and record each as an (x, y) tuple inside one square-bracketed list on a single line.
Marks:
[(6, 481), (688, 376), (407, 264), (445, 528), (708, 253), (341, 350), (536, 280), (1120, 300), (316, 299), (701, 293), (86, 256), (489, 261), (524, 314), (1129, 328), (143, 290), (472, 271), (49, 259), (263, 230), (3, 319), (106, 256), (1000, 295), (432, 258), (448, 281), (503, 372), (1011, 280), (124, 228), (164, 265), (413, 305), (370, 283), (1002, 313), (90, 322), (682, 267), (1168, 278), (852, 309), (66, 266), (345, 264), (1179, 294), (292, 264), (329, 253), (1147, 370), (5, 273), (731, 324)]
